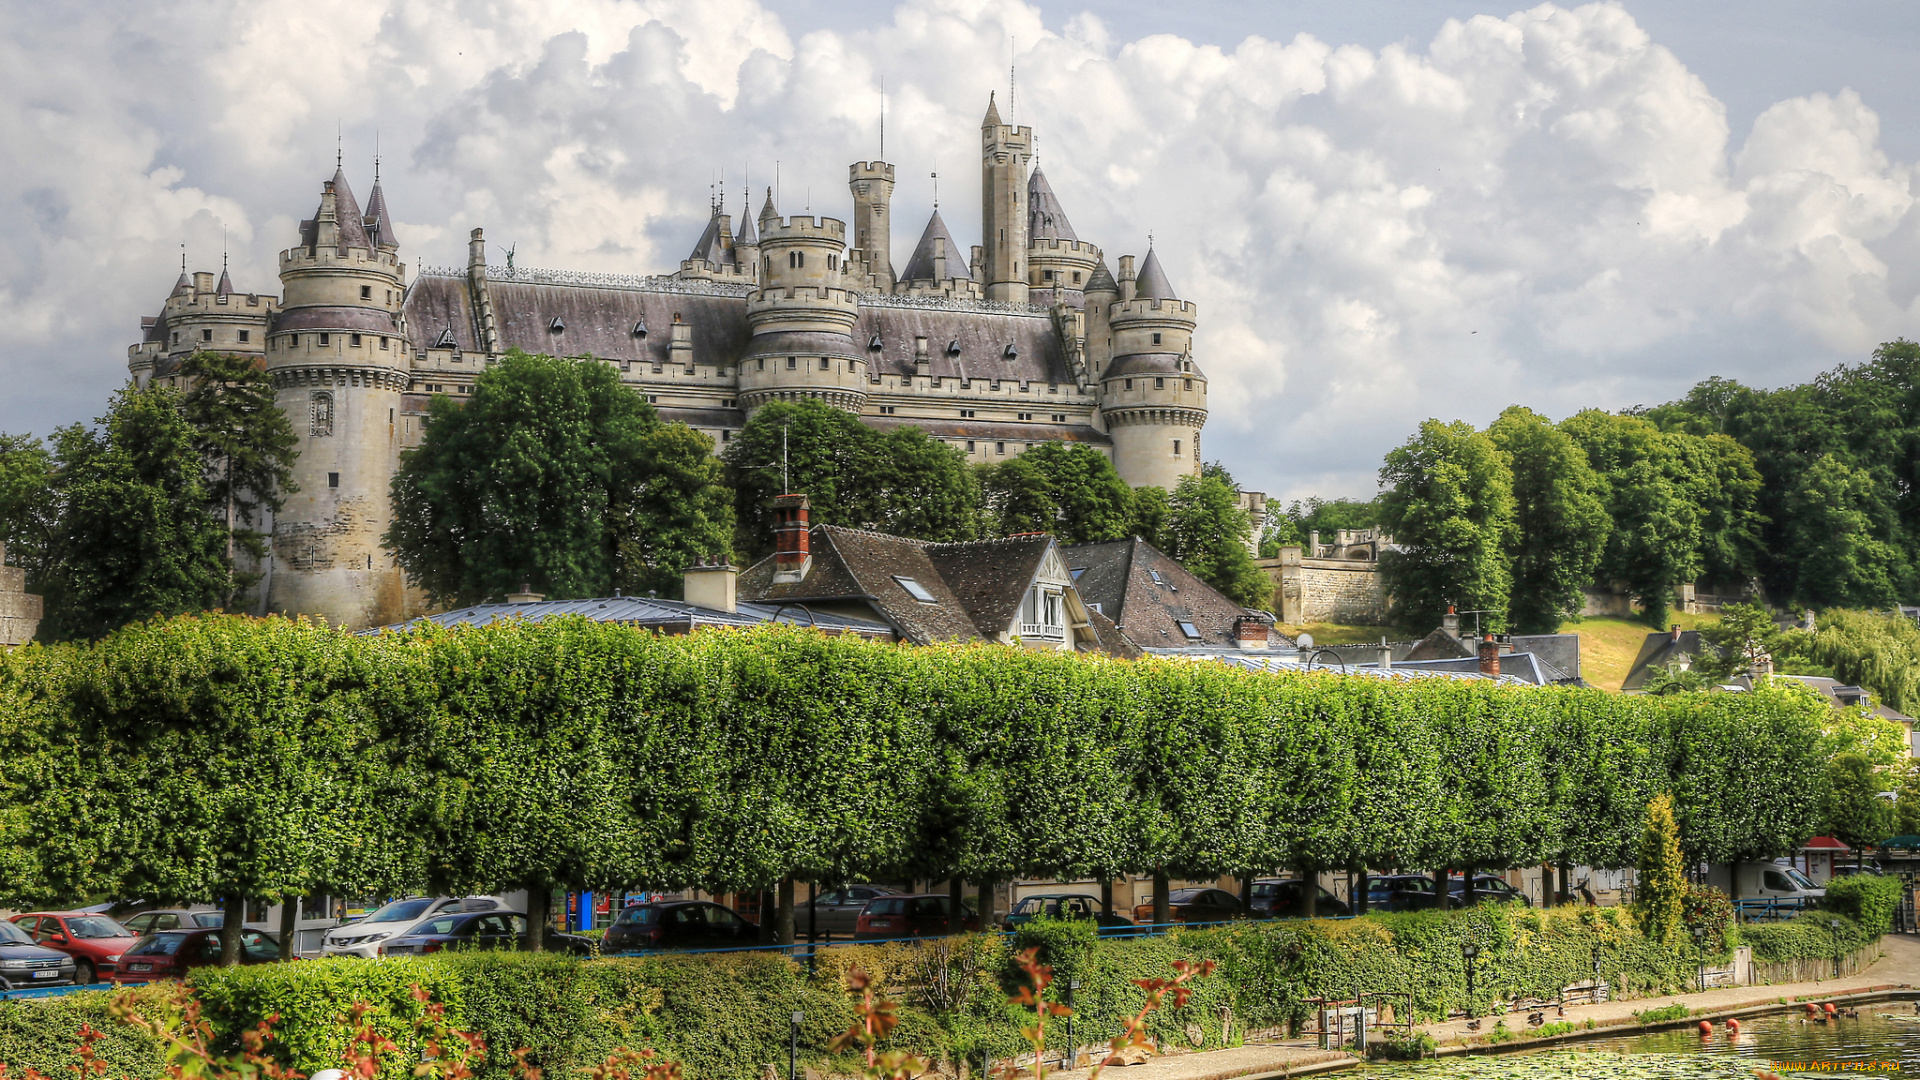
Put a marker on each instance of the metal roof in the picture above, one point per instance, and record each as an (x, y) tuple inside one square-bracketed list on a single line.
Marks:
[(650, 611)]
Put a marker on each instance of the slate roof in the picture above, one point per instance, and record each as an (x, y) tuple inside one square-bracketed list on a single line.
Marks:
[(747, 234), (1045, 219), (1151, 363), (1119, 577), (920, 267), (1660, 650), (1101, 280), (992, 431), (379, 225), (671, 616), (1151, 282), (976, 587), (981, 338), (712, 245)]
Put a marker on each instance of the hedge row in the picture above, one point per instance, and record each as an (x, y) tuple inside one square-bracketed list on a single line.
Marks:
[(725, 1015), (220, 756)]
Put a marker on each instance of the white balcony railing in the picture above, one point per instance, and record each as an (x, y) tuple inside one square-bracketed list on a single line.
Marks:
[(1042, 630)]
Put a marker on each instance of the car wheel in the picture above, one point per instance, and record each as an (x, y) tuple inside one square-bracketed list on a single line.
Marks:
[(83, 973)]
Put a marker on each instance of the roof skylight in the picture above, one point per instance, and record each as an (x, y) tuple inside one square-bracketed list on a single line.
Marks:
[(1192, 631), (915, 589)]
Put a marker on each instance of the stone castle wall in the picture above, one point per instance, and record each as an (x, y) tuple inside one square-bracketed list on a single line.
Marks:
[(20, 611), (1327, 590)]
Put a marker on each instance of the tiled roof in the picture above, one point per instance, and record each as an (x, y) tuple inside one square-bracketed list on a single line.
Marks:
[(921, 266), (379, 224), (1045, 219), (1119, 576), (1150, 363), (990, 577), (1151, 282), (669, 615), (1660, 650)]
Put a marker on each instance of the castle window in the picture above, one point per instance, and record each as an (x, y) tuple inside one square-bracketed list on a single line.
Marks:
[(1129, 384), (1176, 448), (725, 434), (833, 262), (763, 363), (966, 414), (1047, 274), (999, 448), (253, 301), (969, 446), (790, 363), (886, 410), (246, 336), (1189, 383), (383, 344), (1053, 388), (176, 337), (1076, 277), (366, 292), (823, 363), (324, 339), (726, 403), (1059, 417), (354, 341), (1159, 384), (1156, 339), (1023, 416), (320, 413), (206, 335), (333, 479)]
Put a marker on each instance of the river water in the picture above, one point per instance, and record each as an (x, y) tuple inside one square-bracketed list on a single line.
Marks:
[(1885, 1039)]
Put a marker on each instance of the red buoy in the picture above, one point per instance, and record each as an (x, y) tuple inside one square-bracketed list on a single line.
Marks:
[(1706, 1028), (1830, 1008), (1733, 1024)]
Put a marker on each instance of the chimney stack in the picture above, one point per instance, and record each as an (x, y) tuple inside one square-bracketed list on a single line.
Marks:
[(1250, 632), (1489, 655), (1675, 631), (922, 363), (712, 586), (526, 595), (1450, 622), (1386, 655), (792, 556)]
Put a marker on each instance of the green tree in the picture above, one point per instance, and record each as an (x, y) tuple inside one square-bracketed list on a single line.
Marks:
[(537, 479), (1206, 531), (1449, 505), (1878, 651), (1560, 521), (1853, 810), (1655, 542), (1835, 522), (134, 536), (1660, 892), (1068, 489), (27, 501), (1743, 640), (901, 481), (248, 444), (1147, 515)]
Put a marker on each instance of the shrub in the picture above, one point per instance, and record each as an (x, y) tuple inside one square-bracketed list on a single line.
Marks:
[(1811, 936), (1401, 1048), (1664, 1013), (1710, 911), (1868, 899)]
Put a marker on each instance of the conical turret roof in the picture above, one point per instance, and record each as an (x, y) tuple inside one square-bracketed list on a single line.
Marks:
[(1045, 219), (748, 235), (184, 285), (1101, 279), (711, 247), (346, 210), (767, 211), (1151, 283), (225, 288), (379, 225), (993, 113), (921, 268)]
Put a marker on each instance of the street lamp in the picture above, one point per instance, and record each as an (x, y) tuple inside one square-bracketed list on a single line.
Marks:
[(793, 1046), (1835, 924), (1700, 950), (1469, 951), (1073, 1048)]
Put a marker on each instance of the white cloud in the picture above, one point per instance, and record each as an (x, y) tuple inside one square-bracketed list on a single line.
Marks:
[(1546, 208)]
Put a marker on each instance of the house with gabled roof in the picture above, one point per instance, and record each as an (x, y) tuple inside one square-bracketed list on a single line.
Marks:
[(1159, 605), (1015, 590)]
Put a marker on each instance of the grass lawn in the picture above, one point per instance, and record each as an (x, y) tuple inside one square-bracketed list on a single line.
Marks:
[(1607, 646)]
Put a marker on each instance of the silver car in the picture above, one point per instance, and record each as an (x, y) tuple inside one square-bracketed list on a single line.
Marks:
[(836, 911), (364, 937)]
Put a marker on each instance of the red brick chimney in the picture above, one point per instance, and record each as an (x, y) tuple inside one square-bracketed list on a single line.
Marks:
[(1489, 655), (792, 543), (1675, 631), (1250, 632)]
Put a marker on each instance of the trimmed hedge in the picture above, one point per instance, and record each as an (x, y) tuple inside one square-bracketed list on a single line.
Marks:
[(725, 1015), (1869, 899), (201, 757)]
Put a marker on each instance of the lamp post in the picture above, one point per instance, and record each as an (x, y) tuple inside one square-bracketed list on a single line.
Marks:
[(1469, 952), (1700, 954), (1073, 1048), (1835, 924), (793, 1046)]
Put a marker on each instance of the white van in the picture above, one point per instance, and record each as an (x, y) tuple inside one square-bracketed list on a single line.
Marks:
[(1776, 880)]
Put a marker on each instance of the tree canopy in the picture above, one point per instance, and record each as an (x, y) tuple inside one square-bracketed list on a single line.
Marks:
[(553, 475), (1560, 523), (1068, 489), (1448, 501), (247, 443), (1207, 532)]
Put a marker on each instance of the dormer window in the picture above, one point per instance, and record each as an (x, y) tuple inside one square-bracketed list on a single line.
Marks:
[(555, 326), (1010, 353), (875, 343), (953, 347), (915, 589), (1043, 614), (445, 340), (640, 329)]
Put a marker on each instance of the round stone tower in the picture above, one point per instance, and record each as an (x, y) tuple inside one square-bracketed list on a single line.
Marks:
[(1153, 398), (802, 318), (337, 351)]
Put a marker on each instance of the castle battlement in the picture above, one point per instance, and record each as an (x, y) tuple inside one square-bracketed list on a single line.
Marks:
[(1075, 249), (870, 170), (802, 227), (1143, 308)]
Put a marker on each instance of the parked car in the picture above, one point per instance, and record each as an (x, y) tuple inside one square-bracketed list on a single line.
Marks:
[(1488, 889), (172, 919), (916, 915), (364, 936), (1278, 898), (835, 912), (1402, 892), (677, 924), (1064, 906), (1195, 905), (477, 930), (24, 964), (170, 954), (1869, 866), (94, 941)]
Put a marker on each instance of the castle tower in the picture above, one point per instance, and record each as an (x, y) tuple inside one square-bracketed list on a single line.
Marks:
[(1004, 151), (1101, 294), (746, 243), (1059, 263), (802, 318), (200, 315), (872, 184), (337, 352), (1153, 398)]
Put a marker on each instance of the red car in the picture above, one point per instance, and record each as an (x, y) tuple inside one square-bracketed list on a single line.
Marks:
[(94, 941), (923, 915), (169, 954)]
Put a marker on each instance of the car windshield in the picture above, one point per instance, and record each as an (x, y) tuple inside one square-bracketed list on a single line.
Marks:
[(1265, 889), (157, 945), (1030, 906), (638, 916), (400, 911), (13, 935), (1800, 880), (893, 906), (208, 918), (96, 926), (1185, 896)]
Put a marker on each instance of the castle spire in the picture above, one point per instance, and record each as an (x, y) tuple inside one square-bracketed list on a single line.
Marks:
[(936, 258), (379, 225), (993, 113), (1045, 219), (225, 288), (1152, 283), (767, 212), (351, 222), (747, 235)]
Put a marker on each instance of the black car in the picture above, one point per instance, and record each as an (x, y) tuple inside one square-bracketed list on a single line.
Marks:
[(1066, 906), (1274, 898), (1402, 892), (24, 965), (1488, 889), (678, 924), (457, 930)]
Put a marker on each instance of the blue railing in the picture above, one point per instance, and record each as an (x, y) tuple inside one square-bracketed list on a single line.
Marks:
[(1771, 908), (24, 993)]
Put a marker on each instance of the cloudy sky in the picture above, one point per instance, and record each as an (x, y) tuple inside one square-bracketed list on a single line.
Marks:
[(1385, 211)]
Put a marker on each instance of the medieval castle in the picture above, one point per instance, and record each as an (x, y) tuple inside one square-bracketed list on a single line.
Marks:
[(1024, 338)]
